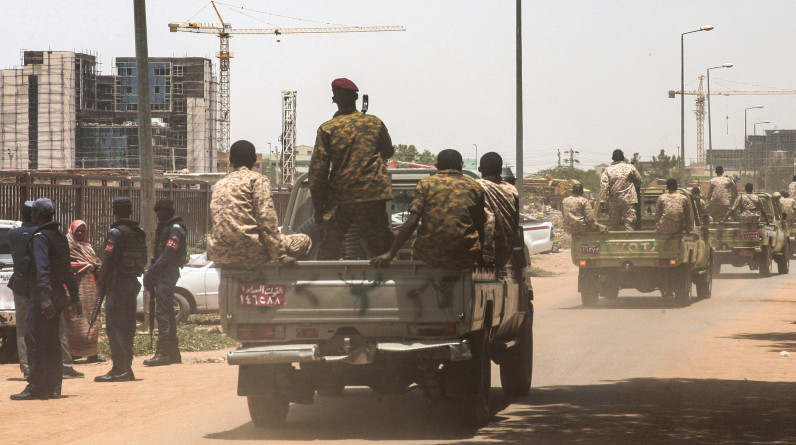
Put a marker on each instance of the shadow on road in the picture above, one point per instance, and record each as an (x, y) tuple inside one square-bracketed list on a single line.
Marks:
[(739, 276), (643, 410), (650, 302), (779, 341)]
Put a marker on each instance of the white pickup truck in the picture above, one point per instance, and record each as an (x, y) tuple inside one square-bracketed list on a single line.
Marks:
[(324, 325), (7, 311)]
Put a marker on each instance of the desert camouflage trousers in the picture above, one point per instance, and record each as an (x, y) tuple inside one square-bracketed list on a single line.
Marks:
[(297, 245), (372, 222), (621, 215), (717, 211)]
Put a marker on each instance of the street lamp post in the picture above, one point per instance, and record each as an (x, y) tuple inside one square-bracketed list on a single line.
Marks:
[(682, 96), (745, 131), (476, 156), (754, 127), (710, 127)]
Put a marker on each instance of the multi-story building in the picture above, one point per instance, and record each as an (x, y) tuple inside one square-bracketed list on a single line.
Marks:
[(57, 112)]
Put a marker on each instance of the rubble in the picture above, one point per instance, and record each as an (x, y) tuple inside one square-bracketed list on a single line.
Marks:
[(537, 210)]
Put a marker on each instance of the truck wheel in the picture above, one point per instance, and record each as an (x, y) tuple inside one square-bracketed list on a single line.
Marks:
[(764, 261), (682, 286), (716, 268), (587, 284), (474, 380), (704, 284), (609, 291), (783, 261), (268, 411), (516, 369)]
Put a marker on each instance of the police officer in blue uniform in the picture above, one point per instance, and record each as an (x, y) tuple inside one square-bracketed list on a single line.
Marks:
[(48, 269), (162, 275), (123, 262), (18, 242)]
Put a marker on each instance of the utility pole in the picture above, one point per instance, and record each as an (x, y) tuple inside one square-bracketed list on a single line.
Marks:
[(572, 160), (559, 157), (145, 135), (518, 63)]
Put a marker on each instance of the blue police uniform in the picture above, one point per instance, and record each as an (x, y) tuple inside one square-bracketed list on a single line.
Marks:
[(170, 249), (18, 239)]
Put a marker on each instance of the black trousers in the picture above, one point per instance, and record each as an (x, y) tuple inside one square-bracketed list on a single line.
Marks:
[(43, 346), (120, 306), (164, 304)]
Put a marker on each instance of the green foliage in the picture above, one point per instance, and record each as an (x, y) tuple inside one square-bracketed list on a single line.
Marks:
[(662, 166), (410, 153), (539, 272), (199, 247), (588, 178)]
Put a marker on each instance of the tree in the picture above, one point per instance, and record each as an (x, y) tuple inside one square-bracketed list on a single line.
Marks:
[(427, 157), (589, 178), (410, 153), (662, 166)]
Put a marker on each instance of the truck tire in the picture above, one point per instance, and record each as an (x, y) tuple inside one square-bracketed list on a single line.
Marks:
[(704, 284), (716, 268), (516, 368), (610, 291), (473, 379), (764, 261), (783, 261), (682, 286), (268, 411), (588, 286)]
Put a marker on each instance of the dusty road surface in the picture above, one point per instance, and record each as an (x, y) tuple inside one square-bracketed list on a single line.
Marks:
[(633, 370)]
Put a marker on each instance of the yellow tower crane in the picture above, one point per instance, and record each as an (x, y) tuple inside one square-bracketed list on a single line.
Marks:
[(224, 31), (700, 108)]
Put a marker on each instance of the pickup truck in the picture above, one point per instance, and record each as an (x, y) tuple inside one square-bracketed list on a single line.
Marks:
[(644, 259), (755, 245), (7, 311), (323, 325)]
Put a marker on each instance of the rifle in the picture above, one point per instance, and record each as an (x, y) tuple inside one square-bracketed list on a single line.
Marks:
[(95, 313), (149, 285), (364, 103)]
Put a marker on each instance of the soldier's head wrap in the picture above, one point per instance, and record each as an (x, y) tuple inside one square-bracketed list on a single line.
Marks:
[(785, 194), (618, 155), (164, 203), (344, 84), (123, 206), (696, 191), (671, 184), (449, 159), (748, 187), (491, 164), (242, 154), (577, 189), (719, 170)]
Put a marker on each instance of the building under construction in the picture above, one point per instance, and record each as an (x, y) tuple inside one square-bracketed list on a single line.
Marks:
[(57, 112)]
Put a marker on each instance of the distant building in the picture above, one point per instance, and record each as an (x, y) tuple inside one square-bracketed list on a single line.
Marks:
[(57, 111), (599, 168), (758, 153)]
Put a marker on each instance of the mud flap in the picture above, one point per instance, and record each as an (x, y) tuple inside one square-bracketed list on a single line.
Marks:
[(275, 381)]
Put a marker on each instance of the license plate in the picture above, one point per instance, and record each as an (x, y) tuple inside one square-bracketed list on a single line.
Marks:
[(261, 295), (590, 248), (748, 234), (747, 253)]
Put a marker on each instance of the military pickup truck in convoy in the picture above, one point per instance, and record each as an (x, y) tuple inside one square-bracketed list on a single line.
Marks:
[(755, 245), (644, 259), (323, 325)]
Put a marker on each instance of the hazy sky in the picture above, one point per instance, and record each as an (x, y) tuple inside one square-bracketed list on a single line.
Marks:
[(596, 73)]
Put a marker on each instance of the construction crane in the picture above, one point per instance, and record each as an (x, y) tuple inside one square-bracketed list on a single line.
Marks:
[(700, 108), (225, 30)]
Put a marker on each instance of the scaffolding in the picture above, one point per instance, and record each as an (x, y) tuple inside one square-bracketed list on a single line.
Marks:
[(288, 160)]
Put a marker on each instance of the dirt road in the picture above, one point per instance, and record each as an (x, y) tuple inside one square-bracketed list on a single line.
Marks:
[(633, 370)]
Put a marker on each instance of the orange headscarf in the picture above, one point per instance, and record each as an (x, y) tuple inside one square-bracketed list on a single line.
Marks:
[(80, 249)]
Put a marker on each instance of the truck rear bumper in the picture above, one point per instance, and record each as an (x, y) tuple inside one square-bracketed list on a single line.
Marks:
[(453, 350)]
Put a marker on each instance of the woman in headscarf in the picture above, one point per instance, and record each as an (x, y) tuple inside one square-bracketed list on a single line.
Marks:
[(86, 265)]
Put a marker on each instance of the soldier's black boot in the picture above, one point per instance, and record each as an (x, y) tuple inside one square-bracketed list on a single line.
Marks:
[(174, 353), (161, 357)]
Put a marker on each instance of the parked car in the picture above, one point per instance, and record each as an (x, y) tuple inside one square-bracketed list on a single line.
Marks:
[(7, 311), (538, 234), (197, 289)]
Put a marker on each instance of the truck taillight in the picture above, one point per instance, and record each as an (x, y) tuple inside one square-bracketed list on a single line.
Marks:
[(261, 332), (433, 330), (307, 333), (587, 262), (667, 262)]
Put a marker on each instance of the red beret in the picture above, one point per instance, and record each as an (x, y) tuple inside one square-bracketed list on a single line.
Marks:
[(344, 84)]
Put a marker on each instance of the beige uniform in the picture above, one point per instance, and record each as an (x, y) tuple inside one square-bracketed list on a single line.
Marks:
[(719, 197), (245, 225), (618, 188), (578, 215), (672, 213), (789, 208), (749, 208), (501, 205), (792, 189)]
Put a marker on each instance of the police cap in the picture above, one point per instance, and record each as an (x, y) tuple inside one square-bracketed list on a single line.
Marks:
[(122, 202), (42, 205), (164, 203)]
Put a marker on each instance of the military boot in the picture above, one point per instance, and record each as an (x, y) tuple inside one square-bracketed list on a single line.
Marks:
[(174, 353), (161, 357)]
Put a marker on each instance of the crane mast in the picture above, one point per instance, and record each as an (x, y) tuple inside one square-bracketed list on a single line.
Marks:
[(288, 158)]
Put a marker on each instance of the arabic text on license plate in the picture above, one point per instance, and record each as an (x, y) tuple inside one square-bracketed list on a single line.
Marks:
[(747, 253), (261, 294), (751, 234), (590, 248)]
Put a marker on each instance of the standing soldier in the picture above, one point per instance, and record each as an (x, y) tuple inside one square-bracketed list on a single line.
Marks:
[(49, 277), (245, 225), (578, 214), (749, 207), (348, 180), (672, 212), (451, 207), (787, 204), (700, 200), (123, 262), (502, 211), (721, 192), (162, 276), (792, 187), (618, 187)]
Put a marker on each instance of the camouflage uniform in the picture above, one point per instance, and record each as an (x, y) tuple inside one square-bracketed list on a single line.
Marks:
[(788, 206), (792, 189), (245, 226), (720, 194), (349, 184), (618, 187), (672, 214), (451, 209), (749, 208), (502, 209), (578, 215)]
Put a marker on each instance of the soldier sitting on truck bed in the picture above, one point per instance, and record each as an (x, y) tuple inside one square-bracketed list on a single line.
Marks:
[(618, 186), (451, 207), (700, 200), (792, 187), (578, 214), (245, 226), (749, 207), (672, 214), (502, 211), (720, 194), (788, 205)]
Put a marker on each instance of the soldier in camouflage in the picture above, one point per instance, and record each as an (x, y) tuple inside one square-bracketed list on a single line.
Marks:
[(749, 207), (700, 200), (451, 207), (720, 194), (618, 187), (672, 212), (245, 225), (502, 211), (578, 213), (788, 206), (792, 187), (348, 178)]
